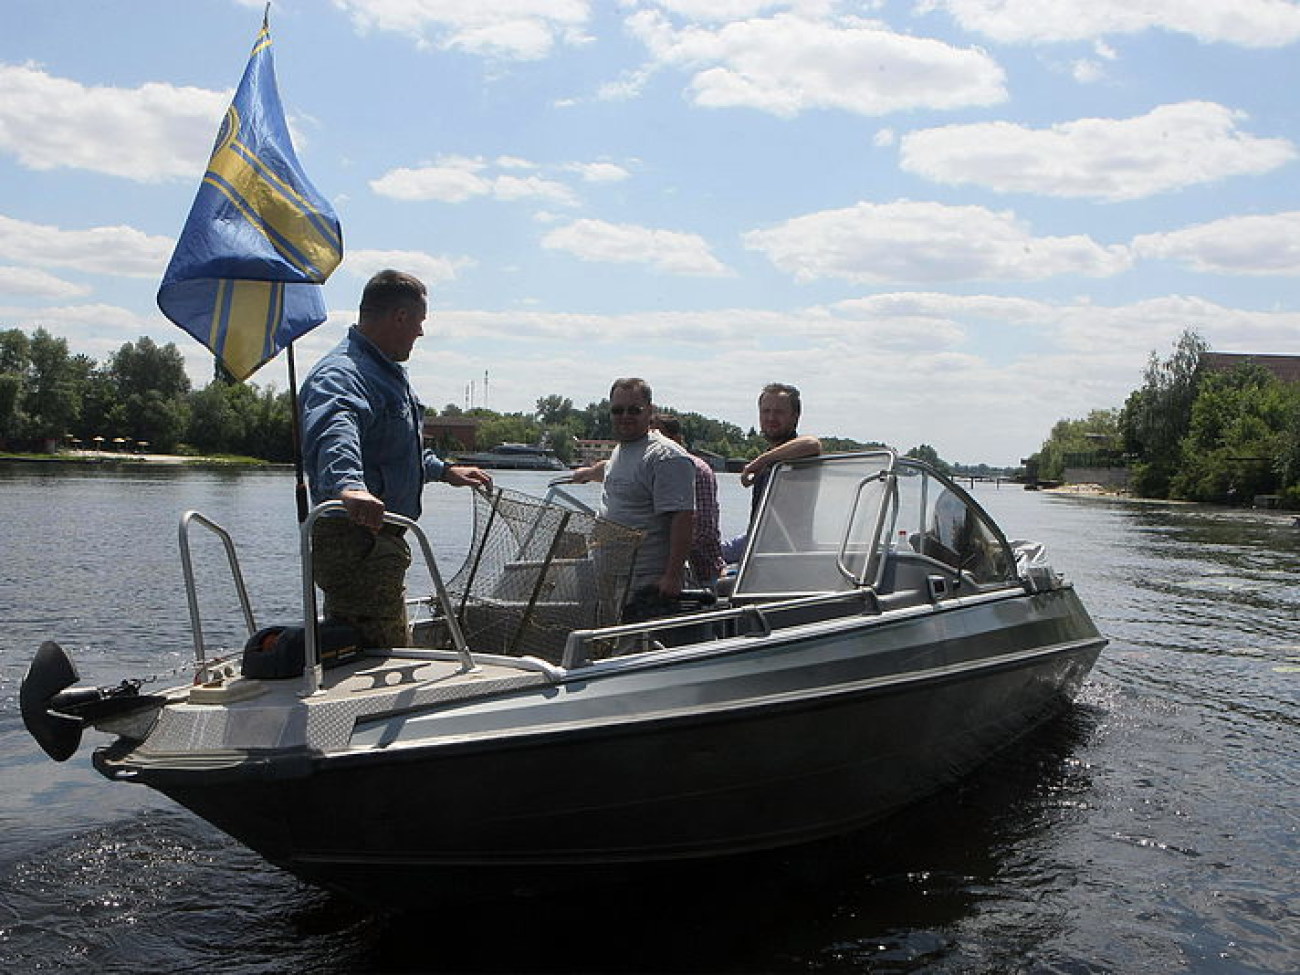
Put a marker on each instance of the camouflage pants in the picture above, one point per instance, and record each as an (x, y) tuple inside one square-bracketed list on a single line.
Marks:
[(363, 577)]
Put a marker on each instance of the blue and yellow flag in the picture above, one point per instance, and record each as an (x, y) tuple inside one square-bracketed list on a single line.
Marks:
[(245, 279)]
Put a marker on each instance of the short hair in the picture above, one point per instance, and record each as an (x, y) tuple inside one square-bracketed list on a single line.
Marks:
[(669, 424), (783, 389), (639, 386), (389, 290)]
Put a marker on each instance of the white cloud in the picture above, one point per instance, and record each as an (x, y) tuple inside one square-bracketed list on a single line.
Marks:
[(429, 268), (508, 188), (514, 29), (907, 345), (121, 251), (1250, 245), (150, 133), (926, 242), (1248, 23), (665, 250), (455, 179), (1086, 71), (1170, 147), (99, 330), (725, 10), (629, 85), (789, 64), (599, 172), (33, 282)]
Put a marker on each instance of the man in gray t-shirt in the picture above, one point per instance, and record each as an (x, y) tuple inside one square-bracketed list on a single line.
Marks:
[(650, 486)]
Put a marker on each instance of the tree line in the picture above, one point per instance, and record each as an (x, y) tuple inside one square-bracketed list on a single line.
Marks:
[(1190, 433), (52, 399)]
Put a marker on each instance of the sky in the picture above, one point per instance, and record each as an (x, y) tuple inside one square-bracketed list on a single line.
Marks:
[(948, 222)]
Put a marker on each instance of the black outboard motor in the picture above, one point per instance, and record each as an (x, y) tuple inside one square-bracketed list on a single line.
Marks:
[(55, 711)]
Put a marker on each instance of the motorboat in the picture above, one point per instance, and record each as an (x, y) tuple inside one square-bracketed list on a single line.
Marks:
[(880, 639), (514, 457)]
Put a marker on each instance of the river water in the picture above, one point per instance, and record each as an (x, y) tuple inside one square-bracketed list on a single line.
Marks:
[(1152, 829)]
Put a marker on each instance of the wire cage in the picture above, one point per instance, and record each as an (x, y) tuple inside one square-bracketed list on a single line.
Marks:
[(537, 571)]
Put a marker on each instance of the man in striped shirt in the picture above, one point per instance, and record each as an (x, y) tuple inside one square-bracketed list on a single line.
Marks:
[(705, 558)]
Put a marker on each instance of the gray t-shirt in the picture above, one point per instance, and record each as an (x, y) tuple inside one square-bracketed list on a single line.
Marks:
[(646, 483)]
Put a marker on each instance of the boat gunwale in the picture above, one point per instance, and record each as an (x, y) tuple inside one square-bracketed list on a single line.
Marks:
[(261, 761)]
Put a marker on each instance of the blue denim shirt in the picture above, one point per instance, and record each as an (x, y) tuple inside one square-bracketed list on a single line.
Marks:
[(361, 428)]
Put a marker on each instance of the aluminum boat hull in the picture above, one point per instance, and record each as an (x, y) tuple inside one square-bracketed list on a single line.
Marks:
[(705, 751)]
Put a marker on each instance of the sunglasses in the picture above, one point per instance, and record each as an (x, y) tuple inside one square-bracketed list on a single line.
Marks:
[(629, 410)]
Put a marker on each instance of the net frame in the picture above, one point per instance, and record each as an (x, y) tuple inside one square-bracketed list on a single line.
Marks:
[(536, 571)]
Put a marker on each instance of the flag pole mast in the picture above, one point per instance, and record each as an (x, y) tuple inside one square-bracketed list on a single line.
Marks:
[(300, 486), (300, 481)]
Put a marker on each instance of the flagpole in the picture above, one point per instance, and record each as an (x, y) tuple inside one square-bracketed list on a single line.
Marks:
[(300, 487)]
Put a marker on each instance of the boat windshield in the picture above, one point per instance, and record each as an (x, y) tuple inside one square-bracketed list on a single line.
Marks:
[(938, 520), (835, 523), (818, 527)]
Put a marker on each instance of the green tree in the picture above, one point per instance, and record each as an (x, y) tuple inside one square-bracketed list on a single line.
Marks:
[(561, 440), (1235, 437), (554, 410), (1156, 417), (1090, 442), (705, 433), (596, 422), (101, 407), (497, 428), (216, 422), (154, 392), (844, 445), (928, 455), (15, 351), (1287, 461), (270, 433), (52, 399), (15, 359)]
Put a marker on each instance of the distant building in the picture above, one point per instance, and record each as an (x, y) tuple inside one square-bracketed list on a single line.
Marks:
[(715, 461), (1285, 367), (451, 432), (588, 452)]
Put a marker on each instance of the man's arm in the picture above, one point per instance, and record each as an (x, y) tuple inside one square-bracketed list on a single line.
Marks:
[(333, 411), (680, 533), (585, 475), (706, 548), (805, 446), (464, 476)]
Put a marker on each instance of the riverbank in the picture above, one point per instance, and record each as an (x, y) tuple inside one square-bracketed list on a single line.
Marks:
[(1097, 489), (113, 458)]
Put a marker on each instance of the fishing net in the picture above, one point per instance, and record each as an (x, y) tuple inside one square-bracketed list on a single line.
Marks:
[(536, 571)]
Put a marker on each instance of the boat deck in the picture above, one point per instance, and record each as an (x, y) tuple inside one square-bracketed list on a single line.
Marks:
[(237, 713)]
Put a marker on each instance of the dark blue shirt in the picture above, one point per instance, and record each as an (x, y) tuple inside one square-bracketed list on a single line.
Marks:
[(361, 428)]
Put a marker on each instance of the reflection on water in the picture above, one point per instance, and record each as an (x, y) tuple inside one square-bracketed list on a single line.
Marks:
[(1152, 828)]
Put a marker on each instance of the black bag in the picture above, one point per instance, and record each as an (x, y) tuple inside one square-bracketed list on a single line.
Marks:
[(277, 652)]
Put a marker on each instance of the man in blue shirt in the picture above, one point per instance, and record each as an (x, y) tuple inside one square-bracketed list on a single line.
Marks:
[(362, 445)]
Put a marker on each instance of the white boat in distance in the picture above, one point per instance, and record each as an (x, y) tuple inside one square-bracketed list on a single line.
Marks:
[(514, 457), (881, 639)]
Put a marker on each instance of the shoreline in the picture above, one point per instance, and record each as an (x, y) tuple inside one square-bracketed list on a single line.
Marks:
[(110, 458), (1105, 493)]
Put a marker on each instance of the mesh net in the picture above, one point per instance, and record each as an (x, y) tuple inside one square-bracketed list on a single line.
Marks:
[(538, 571)]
